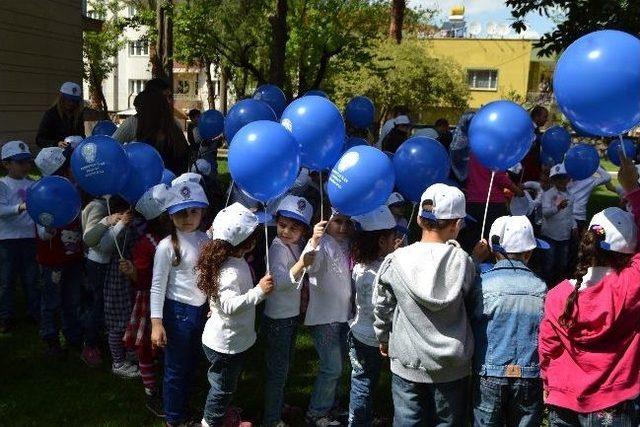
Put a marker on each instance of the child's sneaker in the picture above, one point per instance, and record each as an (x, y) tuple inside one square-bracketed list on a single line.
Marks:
[(91, 356), (125, 370), (324, 421), (154, 404)]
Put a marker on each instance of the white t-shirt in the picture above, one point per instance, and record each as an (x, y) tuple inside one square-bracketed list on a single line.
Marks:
[(14, 225), (177, 283), (557, 223), (581, 191), (364, 276), (231, 327), (284, 301)]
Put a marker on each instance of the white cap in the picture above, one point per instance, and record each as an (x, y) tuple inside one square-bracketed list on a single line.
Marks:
[(516, 169), (619, 229), (446, 202), (234, 224), (380, 218), (74, 140), (16, 150), (297, 208), (427, 132), (152, 203), (202, 167), (195, 178), (521, 205), (401, 120), (514, 235), (71, 90), (394, 198), (558, 169), (50, 159), (185, 195)]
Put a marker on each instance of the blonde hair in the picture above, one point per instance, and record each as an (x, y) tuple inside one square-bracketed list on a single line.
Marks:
[(77, 112)]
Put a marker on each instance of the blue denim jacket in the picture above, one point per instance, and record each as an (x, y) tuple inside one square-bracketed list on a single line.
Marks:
[(505, 307)]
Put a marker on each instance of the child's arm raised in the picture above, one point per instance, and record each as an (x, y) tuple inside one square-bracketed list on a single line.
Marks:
[(231, 300), (312, 255)]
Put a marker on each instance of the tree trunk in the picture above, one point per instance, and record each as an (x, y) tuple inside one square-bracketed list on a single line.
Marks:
[(397, 19), (224, 82), (279, 37), (96, 96), (162, 58), (211, 91)]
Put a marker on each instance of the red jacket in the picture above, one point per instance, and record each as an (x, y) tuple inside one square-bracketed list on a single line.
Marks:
[(143, 252), (478, 182), (596, 364), (64, 247)]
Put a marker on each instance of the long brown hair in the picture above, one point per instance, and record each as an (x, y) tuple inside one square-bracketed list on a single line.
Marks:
[(365, 247), (177, 254), (155, 123), (591, 255), (76, 115)]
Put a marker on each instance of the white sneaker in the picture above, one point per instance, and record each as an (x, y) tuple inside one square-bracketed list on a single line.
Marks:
[(323, 422), (125, 370)]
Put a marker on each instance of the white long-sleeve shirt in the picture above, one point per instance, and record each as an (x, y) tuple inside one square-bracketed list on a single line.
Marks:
[(581, 191), (231, 327), (330, 284), (557, 223), (284, 301), (364, 276), (177, 283), (15, 224)]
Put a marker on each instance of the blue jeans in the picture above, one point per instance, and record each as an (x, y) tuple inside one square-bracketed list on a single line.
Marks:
[(624, 414), (556, 261), (183, 324), (507, 401), (280, 338), (366, 364), (430, 404), (223, 376), (94, 313), (62, 292), (330, 342), (18, 260)]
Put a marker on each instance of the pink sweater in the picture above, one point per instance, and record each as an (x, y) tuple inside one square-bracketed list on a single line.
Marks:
[(478, 183), (597, 364)]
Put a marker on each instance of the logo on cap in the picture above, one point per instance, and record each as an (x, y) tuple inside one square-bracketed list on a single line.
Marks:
[(22, 146), (185, 192), (45, 219), (74, 90), (302, 205), (89, 152)]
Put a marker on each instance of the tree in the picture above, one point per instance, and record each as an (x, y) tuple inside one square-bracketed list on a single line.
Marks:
[(100, 48), (577, 18), (397, 18)]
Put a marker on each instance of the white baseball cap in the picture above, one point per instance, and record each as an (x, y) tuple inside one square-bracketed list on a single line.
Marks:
[(185, 195), (297, 208), (401, 120), (234, 224), (202, 167), (394, 198), (619, 229), (514, 235), (71, 91), (152, 203), (447, 202), (558, 169), (16, 150), (380, 218), (50, 159), (74, 140), (426, 132), (193, 177)]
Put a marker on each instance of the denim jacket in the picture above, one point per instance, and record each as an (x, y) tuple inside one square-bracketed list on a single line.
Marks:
[(506, 306)]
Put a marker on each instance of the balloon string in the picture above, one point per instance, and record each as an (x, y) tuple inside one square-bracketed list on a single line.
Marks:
[(413, 212), (486, 206), (226, 204), (115, 238), (321, 197), (266, 239), (624, 152)]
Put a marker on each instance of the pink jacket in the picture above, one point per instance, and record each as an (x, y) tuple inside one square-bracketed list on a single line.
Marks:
[(596, 364), (478, 183)]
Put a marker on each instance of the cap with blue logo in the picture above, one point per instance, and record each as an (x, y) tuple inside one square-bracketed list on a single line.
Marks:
[(71, 90), (16, 150), (185, 195), (297, 208)]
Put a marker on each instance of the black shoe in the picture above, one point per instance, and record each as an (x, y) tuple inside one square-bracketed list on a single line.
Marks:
[(154, 404)]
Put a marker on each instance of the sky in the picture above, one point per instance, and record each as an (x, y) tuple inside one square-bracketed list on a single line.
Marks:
[(484, 11)]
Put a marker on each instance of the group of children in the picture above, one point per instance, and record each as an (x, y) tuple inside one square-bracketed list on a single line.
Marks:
[(495, 342)]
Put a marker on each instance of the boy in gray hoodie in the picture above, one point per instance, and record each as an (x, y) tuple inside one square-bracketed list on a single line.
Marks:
[(420, 317)]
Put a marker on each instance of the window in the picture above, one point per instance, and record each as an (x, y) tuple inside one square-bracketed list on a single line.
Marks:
[(482, 79), (183, 87), (136, 86), (139, 48), (96, 15), (132, 11)]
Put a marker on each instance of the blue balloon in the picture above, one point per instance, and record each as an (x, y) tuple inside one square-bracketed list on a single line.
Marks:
[(581, 161), (272, 95), (418, 163), (360, 112), (548, 160), (104, 127), (100, 165), (361, 181), (245, 112), (316, 92), (629, 150), (145, 170), (264, 160), (211, 124), (501, 134), (53, 201), (581, 132), (354, 141), (597, 82), (555, 143), (317, 126), (167, 177)]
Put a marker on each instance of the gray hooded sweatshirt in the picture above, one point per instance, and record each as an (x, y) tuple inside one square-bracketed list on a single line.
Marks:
[(419, 311)]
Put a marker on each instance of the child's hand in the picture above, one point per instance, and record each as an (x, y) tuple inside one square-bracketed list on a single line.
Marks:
[(481, 251), (158, 334), (308, 259), (113, 219), (127, 268), (22, 207), (318, 232), (63, 144), (127, 217), (398, 242), (384, 350), (266, 284), (563, 204), (628, 174)]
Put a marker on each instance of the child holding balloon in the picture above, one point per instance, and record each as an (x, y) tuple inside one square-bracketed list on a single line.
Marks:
[(177, 306)]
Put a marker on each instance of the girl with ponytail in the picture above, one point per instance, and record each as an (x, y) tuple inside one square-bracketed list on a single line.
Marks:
[(589, 342)]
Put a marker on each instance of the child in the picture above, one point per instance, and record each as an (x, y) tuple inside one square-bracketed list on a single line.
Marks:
[(326, 259), (375, 239), (177, 305), (224, 276), (282, 308), (139, 272), (581, 192), (420, 319), (505, 308), (60, 254), (558, 225), (396, 205), (17, 235), (589, 337)]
